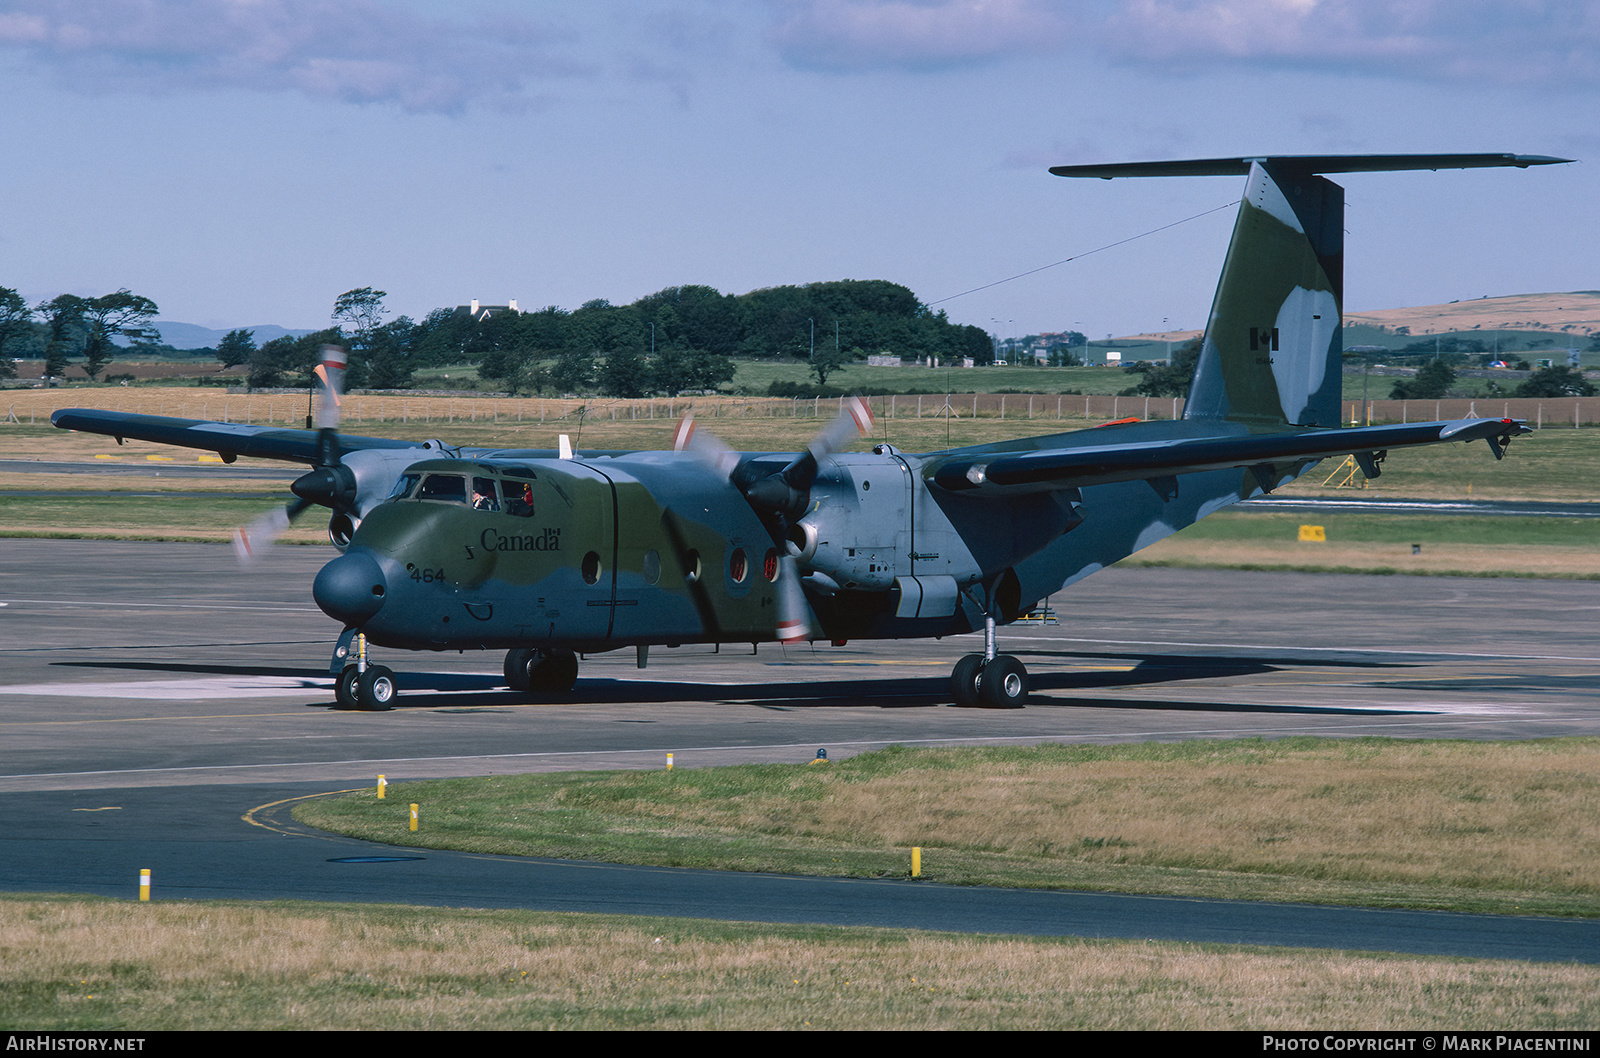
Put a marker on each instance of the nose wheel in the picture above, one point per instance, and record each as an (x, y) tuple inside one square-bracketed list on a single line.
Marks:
[(361, 685), (371, 691)]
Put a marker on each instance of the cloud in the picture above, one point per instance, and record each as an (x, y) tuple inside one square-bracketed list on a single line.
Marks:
[(1485, 41), (1489, 41), (914, 34), (359, 51)]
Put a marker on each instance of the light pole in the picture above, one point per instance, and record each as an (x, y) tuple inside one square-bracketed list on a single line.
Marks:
[(1366, 352)]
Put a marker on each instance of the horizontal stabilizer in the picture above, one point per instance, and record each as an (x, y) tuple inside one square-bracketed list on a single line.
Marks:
[(1308, 164), (1063, 468)]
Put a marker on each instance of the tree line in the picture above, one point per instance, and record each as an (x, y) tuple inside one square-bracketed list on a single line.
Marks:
[(68, 326), (678, 339)]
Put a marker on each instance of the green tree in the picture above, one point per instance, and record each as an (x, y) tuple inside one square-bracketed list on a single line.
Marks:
[(236, 347), (1432, 381), (573, 371), (289, 361), (625, 375), (362, 308), (441, 338), (362, 311), (496, 346), (1171, 379), (123, 314), (65, 331), (827, 360), (1560, 381), (389, 354), (14, 323), (706, 370)]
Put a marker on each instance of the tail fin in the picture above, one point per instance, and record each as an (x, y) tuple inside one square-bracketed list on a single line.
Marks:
[(1272, 352), (1273, 349)]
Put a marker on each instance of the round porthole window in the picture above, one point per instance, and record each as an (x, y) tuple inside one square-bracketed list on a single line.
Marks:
[(738, 566), (591, 568), (651, 567)]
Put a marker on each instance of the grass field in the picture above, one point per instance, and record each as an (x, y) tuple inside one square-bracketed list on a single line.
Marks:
[(1561, 465), (1464, 826), (1455, 545), (92, 965)]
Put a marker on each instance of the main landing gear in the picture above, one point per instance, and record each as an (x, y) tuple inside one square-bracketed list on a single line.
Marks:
[(361, 685), (989, 679), (552, 671)]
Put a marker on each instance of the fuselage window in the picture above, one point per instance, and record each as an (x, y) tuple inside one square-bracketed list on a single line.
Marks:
[(447, 487)]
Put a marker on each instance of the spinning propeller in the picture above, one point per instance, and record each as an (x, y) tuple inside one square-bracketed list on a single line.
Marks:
[(330, 483), (780, 498)]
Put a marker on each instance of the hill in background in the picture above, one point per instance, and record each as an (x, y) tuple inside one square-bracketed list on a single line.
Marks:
[(1575, 313), (194, 336)]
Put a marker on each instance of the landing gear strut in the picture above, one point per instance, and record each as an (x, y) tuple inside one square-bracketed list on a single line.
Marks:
[(994, 680), (552, 671)]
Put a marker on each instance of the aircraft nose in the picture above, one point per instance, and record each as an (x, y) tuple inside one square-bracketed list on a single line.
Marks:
[(351, 588)]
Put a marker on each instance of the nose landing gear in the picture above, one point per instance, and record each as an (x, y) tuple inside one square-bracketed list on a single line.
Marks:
[(361, 685)]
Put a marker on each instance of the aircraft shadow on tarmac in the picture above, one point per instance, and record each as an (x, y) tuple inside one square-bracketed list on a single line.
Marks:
[(438, 690)]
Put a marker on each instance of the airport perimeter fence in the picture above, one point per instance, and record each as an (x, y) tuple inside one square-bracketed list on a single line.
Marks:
[(289, 408)]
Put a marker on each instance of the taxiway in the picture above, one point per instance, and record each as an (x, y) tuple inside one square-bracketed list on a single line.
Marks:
[(153, 695)]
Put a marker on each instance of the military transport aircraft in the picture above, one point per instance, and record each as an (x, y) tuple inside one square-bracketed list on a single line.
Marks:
[(551, 554)]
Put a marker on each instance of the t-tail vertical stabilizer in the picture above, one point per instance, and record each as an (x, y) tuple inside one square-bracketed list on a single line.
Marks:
[(1272, 353)]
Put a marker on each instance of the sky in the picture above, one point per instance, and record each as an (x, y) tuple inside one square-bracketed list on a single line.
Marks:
[(243, 162)]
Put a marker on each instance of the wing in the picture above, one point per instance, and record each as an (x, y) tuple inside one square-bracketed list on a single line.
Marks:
[(228, 440), (1071, 467)]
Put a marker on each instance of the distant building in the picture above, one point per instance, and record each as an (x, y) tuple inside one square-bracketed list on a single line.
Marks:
[(479, 311)]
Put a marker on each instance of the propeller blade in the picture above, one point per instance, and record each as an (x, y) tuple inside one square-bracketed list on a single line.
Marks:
[(330, 483), (853, 419), (250, 542), (330, 386), (703, 445), (794, 613)]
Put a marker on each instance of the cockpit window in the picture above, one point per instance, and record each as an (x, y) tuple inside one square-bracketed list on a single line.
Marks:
[(485, 495), (403, 487), (447, 487), (519, 498)]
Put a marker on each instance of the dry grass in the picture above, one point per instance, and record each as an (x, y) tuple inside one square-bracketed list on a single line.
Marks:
[(77, 964), (1454, 813), (1506, 560), (1456, 825)]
